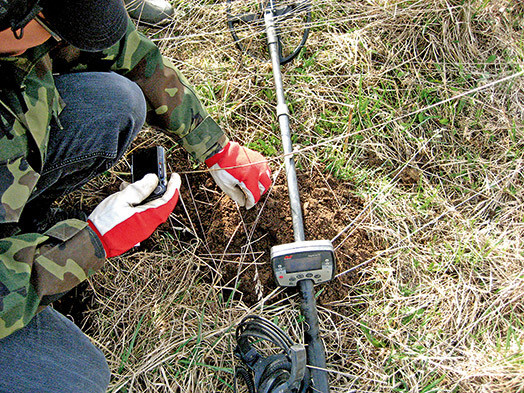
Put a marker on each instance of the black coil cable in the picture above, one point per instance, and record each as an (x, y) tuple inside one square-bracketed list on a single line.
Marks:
[(283, 372)]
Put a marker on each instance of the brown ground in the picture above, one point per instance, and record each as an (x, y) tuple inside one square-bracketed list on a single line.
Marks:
[(329, 205)]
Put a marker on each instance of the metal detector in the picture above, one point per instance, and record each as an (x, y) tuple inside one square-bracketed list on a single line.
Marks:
[(285, 27)]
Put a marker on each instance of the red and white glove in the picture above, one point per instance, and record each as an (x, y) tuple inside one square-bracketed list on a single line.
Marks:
[(121, 221), (241, 173)]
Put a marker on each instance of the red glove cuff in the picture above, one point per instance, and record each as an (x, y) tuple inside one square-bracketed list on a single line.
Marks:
[(138, 227), (218, 156)]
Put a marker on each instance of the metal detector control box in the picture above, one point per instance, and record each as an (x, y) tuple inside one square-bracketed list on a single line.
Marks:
[(307, 260)]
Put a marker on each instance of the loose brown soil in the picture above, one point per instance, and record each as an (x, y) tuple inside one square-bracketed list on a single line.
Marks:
[(239, 239), (240, 235)]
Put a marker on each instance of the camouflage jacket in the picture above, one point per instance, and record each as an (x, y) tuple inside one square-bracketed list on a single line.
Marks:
[(36, 269)]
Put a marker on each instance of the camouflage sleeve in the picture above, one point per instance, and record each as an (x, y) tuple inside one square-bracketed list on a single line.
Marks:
[(173, 104), (37, 269)]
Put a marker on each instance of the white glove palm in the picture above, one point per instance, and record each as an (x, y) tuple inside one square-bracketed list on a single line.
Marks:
[(120, 221)]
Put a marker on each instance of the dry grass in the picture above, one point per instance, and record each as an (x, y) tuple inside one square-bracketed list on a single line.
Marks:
[(421, 105)]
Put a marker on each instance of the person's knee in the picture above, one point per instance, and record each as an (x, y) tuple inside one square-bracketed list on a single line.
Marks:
[(105, 102), (103, 96), (83, 365), (128, 110), (51, 354), (99, 372), (126, 96)]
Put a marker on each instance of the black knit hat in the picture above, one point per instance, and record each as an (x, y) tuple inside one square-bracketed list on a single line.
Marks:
[(90, 25)]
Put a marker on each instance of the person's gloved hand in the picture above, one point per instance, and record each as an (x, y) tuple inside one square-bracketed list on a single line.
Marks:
[(241, 173), (121, 221)]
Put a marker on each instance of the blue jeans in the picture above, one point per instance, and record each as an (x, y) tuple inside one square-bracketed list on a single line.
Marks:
[(51, 355), (104, 112)]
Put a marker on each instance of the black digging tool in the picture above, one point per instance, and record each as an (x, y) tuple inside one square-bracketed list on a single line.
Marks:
[(301, 263)]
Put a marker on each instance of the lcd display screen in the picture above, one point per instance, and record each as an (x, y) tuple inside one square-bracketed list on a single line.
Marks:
[(303, 263)]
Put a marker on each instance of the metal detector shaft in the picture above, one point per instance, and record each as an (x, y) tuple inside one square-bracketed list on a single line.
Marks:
[(315, 349), (283, 119)]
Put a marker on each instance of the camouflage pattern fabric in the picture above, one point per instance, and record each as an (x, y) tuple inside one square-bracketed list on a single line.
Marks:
[(173, 104), (36, 269)]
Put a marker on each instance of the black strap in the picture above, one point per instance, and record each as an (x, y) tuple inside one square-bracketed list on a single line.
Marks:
[(16, 14)]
